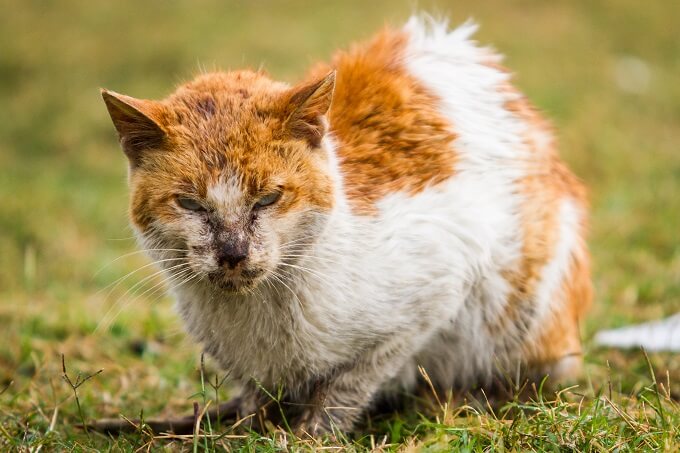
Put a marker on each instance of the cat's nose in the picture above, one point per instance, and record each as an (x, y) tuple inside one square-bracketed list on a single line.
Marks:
[(232, 253)]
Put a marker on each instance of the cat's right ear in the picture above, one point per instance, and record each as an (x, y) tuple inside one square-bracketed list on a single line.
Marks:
[(138, 123)]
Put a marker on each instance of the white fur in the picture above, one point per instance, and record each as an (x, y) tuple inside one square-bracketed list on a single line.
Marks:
[(227, 196), (424, 276), (553, 274)]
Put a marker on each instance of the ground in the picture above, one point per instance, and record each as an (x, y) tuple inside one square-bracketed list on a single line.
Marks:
[(605, 72)]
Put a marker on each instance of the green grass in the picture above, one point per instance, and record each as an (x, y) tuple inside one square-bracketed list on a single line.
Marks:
[(64, 200)]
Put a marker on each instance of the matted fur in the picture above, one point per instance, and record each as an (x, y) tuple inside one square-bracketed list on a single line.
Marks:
[(421, 217)]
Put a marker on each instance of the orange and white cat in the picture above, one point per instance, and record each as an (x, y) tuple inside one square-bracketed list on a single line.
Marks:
[(405, 206)]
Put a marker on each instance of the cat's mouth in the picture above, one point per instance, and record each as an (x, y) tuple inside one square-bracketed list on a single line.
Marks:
[(243, 283)]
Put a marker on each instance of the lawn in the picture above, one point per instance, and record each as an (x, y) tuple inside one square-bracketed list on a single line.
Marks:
[(606, 72)]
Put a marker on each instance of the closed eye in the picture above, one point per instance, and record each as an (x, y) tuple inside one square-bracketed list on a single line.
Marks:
[(190, 204), (268, 200)]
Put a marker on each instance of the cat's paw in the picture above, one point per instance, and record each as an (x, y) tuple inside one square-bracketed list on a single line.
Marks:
[(313, 423)]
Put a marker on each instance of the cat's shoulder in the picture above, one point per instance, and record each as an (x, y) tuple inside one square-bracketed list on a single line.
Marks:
[(411, 105)]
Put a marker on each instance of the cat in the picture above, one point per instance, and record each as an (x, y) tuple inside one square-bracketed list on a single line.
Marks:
[(402, 207)]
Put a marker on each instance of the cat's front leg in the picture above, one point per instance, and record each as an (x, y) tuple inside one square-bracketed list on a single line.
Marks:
[(337, 402), (334, 405)]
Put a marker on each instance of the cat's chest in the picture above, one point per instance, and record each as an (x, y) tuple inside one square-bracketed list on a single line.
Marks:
[(269, 337)]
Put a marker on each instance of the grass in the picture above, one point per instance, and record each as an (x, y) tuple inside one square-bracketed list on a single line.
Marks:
[(63, 225)]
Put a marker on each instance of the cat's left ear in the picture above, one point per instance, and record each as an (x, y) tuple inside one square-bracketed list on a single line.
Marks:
[(308, 106)]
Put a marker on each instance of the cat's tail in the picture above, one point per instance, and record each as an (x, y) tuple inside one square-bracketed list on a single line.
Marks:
[(661, 335)]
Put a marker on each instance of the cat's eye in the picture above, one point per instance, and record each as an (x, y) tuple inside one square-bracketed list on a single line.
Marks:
[(268, 200), (190, 204)]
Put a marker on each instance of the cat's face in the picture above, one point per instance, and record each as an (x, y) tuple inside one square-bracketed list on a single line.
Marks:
[(229, 177)]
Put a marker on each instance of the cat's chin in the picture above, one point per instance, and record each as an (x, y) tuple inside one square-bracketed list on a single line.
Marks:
[(240, 285), (233, 286)]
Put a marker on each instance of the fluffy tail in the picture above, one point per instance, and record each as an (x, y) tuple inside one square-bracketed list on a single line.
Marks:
[(661, 335)]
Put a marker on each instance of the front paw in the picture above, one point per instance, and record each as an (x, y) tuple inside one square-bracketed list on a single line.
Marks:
[(312, 422)]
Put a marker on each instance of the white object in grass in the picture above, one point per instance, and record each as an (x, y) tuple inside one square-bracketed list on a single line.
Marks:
[(663, 335)]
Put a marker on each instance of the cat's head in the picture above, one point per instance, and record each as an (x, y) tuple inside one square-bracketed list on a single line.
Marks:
[(229, 176)]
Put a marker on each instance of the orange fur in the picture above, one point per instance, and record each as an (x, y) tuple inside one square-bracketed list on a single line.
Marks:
[(548, 182), (236, 118), (222, 124), (391, 134)]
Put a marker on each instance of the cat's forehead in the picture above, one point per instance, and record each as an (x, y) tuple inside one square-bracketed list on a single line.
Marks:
[(227, 120), (229, 138), (230, 81), (223, 96), (235, 108)]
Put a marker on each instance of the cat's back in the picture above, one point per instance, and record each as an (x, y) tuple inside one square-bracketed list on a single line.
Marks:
[(415, 106), (389, 131), (427, 125)]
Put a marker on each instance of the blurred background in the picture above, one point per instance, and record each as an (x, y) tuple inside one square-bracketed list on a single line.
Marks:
[(605, 72)]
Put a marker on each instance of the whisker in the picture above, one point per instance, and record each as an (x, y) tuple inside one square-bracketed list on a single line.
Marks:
[(136, 285), (310, 257), (155, 288), (187, 280), (120, 279), (158, 295), (319, 275), (134, 253), (121, 239), (280, 280)]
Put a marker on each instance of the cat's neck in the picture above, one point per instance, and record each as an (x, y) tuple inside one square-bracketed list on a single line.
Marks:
[(335, 241)]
